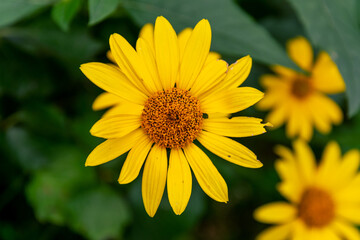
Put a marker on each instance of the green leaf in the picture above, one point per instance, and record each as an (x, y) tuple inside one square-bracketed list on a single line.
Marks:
[(64, 11), (332, 26), (100, 9), (234, 32), (99, 214), (14, 10)]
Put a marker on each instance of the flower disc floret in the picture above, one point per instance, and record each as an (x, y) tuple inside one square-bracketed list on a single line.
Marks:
[(172, 118)]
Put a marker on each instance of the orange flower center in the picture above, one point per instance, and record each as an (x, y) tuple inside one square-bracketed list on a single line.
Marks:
[(301, 87), (316, 207), (172, 118)]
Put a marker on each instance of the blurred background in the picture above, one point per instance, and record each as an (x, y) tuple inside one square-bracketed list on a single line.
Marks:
[(45, 113)]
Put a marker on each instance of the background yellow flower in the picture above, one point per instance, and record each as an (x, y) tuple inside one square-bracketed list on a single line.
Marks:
[(324, 199), (299, 99)]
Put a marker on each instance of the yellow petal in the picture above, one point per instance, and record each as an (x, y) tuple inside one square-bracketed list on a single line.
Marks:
[(166, 52), (276, 213), (300, 231), (290, 191), (179, 181), (306, 161), (346, 230), (281, 232), (328, 108), (124, 108), (195, 53), (183, 38), (305, 128), (300, 51), (112, 148), (128, 60), (206, 173), (319, 115), (293, 125), (210, 76), (154, 179), (147, 33), (105, 100), (326, 76), (115, 126), (148, 69), (235, 127), (349, 212), (328, 234), (135, 159), (112, 80), (329, 164), (237, 73), (231, 100), (229, 150)]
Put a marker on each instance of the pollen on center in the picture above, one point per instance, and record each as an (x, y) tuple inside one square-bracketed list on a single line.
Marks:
[(172, 118)]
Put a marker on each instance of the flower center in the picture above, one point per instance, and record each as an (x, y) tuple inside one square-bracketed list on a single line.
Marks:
[(316, 208), (172, 118), (301, 87)]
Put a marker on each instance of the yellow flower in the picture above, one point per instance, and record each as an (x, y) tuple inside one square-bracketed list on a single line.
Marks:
[(324, 200), (173, 92), (299, 99)]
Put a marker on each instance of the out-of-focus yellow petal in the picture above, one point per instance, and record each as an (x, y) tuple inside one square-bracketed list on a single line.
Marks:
[(208, 177), (112, 80), (348, 168), (306, 161), (110, 56), (230, 100), (210, 76), (166, 52), (115, 126), (280, 232), (346, 230), (349, 194), (135, 159), (229, 150), (179, 181), (350, 212), (212, 56), (300, 51), (147, 33), (195, 53), (329, 165), (105, 100), (154, 179), (235, 127), (112, 148), (326, 76), (276, 213), (284, 71)]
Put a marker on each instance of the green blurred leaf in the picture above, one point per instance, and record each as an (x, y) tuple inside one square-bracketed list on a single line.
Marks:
[(234, 32), (64, 11), (27, 149), (14, 10), (44, 38), (333, 27), (100, 9), (51, 189), (99, 214)]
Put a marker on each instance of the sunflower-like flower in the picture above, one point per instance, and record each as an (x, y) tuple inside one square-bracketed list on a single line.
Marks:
[(173, 92), (300, 99), (324, 199)]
